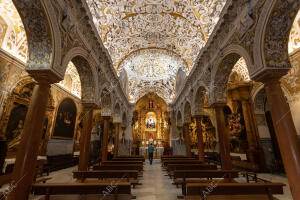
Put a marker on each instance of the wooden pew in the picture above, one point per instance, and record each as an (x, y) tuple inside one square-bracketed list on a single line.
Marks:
[(119, 190), (175, 159), (181, 176), (178, 158), (121, 162), (172, 167), (130, 156), (233, 191), (122, 175), (139, 163), (118, 167), (172, 156), (167, 162), (142, 158), (129, 159)]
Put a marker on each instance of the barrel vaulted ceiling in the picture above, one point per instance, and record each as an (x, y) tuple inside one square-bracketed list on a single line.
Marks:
[(152, 39)]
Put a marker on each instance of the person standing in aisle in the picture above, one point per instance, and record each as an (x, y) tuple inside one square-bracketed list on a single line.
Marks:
[(150, 151)]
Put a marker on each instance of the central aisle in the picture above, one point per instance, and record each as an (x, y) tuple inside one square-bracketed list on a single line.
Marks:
[(155, 185)]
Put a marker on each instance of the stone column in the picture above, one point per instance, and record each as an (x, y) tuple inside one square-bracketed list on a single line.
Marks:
[(223, 133), (105, 138), (256, 154), (116, 145), (286, 134), (187, 139), (249, 131), (85, 138), (25, 166), (200, 138)]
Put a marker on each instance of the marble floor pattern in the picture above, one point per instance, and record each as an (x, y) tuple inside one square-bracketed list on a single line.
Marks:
[(157, 186)]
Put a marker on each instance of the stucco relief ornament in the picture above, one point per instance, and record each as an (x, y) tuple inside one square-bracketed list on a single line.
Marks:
[(39, 36), (12, 34), (294, 39), (276, 40), (179, 27)]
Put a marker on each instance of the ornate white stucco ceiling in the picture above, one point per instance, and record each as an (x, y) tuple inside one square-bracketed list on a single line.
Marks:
[(71, 81), (178, 27), (152, 70), (294, 40), (12, 34)]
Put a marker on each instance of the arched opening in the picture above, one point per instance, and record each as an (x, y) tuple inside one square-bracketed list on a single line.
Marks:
[(105, 102), (72, 82), (234, 87)]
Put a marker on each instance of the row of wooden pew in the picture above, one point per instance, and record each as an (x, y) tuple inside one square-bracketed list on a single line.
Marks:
[(110, 179), (203, 181)]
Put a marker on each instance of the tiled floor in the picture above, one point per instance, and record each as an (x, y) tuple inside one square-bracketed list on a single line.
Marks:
[(155, 185)]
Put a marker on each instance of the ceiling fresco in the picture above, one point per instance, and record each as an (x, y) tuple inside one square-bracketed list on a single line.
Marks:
[(179, 27)]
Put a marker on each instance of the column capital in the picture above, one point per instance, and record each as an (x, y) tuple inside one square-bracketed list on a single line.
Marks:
[(106, 117), (272, 81), (45, 76), (198, 116), (271, 73), (87, 105), (218, 105)]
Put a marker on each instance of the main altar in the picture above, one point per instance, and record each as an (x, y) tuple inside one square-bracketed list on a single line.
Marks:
[(150, 125)]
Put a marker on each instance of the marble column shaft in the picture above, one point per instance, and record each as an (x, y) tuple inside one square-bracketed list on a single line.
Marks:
[(223, 133), (26, 160), (85, 138), (187, 139), (199, 133), (116, 145), (105, 138), (286, 134)]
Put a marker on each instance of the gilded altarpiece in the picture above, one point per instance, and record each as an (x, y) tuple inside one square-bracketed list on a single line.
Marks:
[(150, 121), (14, 114), (208, 132)]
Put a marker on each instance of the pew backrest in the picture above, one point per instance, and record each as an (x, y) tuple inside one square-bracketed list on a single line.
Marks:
[(117, 167), (80, 188), (234, 188), (121, 162), (205, 174), (168, 162), (105, 174), (173, 167)]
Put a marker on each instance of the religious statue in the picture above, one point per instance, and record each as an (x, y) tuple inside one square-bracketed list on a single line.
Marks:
[(150, 123), (209, 134), (235, 128), (16, 137)]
